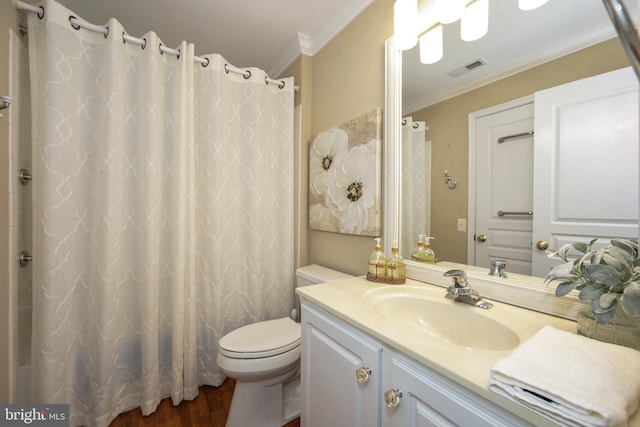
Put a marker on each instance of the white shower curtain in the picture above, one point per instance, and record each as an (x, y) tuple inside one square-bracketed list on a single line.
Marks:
[(163, 215), (416, 185)]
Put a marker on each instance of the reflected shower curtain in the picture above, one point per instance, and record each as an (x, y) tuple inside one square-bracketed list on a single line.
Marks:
[(163, 215), (416, 185)]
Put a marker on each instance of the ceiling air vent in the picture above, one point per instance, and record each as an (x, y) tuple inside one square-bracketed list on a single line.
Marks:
[(466, 68)]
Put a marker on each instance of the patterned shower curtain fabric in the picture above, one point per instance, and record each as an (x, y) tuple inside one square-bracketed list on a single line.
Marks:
[(416, 184), (163, 216)]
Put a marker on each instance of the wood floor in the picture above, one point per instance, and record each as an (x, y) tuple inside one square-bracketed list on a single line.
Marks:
[(209, 409)]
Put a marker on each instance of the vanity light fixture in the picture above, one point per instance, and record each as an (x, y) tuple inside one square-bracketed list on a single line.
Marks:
[(431, 42), (474, 16), (405, 23), (448, 11), (530, 4), (474, 23), (475, 20)]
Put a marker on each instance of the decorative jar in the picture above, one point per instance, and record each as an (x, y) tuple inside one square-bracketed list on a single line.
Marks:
[(622, 329)]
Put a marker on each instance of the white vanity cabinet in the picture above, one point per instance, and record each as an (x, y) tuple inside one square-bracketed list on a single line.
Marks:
[(397, 391), (417, 396), (340, 373)]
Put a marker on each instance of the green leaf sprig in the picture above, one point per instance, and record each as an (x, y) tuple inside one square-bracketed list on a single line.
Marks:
[(608, 277)]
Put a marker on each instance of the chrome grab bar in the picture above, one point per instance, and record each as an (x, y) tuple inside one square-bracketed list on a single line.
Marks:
[(503, 213), (517, 135)]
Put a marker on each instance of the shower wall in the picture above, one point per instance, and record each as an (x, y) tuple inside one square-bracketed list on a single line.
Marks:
[(20, 236)]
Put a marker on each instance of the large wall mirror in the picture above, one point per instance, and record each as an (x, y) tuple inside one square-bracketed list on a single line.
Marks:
[(517, 42)]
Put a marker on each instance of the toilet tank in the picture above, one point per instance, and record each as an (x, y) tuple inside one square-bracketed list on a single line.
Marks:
[(311, 275), (314, 274)]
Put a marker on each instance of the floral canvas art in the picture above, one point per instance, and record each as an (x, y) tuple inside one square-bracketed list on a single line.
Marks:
[(344, 177)]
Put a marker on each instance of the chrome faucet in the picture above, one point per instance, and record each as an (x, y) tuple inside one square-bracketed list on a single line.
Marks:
[(462, 292), (497, 268)]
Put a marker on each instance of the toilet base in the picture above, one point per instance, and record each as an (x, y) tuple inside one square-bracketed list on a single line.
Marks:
[(265, 403)]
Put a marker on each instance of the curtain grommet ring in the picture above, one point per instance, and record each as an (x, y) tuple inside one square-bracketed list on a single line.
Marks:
[(160, 48), (145, 43), (247, 75), (41, 13), (74, 26), (282, 84), (226, 68), (178, 55), (106, 35), (124, 41), (205, 64)]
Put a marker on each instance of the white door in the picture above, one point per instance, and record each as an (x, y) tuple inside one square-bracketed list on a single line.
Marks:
[(586, 163), (504, 186)]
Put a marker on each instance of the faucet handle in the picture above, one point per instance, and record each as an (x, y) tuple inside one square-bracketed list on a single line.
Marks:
[(497, 268), (459, 277)]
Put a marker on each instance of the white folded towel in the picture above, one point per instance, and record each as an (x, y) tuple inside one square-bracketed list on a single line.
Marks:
[(570, 379)]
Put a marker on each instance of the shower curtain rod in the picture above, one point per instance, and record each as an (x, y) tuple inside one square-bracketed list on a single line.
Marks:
[(77, 24)]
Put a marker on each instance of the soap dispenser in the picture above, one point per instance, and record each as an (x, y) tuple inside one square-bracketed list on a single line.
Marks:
[(377, 264), (429, 254), (418, 252), (395, 266)]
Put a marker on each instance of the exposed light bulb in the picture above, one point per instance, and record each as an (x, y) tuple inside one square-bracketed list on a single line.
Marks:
[(448, 11), (431, 49), (475, 20), (530, 4), (405, 24)]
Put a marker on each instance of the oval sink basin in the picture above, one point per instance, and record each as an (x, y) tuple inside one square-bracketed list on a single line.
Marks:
[(449, 321)]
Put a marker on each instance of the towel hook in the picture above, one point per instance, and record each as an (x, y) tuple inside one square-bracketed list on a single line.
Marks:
[(449, 181), (5, 102)]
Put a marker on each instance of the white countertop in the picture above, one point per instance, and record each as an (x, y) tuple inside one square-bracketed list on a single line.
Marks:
[(349, 300)]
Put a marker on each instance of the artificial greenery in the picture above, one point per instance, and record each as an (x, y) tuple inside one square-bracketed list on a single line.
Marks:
[(607, 277)]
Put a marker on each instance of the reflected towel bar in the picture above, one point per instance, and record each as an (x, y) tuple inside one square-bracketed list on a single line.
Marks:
[(517, 135), (503, 213)]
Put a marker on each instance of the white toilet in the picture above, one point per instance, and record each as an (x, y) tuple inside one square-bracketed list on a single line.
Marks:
[(264, 359)]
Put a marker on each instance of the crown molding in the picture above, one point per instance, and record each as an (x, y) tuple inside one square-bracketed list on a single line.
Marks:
[(311, 44)]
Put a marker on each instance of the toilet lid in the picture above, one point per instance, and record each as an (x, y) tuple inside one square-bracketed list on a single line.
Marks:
[(261, 339)]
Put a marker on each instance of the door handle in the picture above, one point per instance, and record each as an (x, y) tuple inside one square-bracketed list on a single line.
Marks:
[(481, 238), (542, 245)]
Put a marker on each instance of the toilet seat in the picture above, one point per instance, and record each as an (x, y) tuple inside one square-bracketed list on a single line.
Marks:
[(262, 339)]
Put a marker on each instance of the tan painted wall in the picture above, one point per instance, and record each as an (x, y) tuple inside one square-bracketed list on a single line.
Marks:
[(448, 123), (348, 80)]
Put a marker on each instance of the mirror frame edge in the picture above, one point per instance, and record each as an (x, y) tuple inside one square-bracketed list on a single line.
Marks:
[(533, 295), (392, 114)]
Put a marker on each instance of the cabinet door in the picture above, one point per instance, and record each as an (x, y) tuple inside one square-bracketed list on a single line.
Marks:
[(332, 352), (429, 399)]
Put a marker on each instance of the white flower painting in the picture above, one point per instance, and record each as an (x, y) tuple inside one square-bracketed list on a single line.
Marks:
[(344, 177)]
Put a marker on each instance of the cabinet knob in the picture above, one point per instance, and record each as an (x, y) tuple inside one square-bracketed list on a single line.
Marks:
[(392, 398), (362, 374)]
